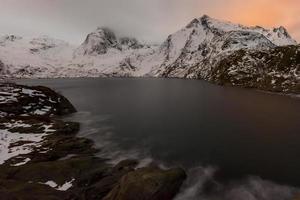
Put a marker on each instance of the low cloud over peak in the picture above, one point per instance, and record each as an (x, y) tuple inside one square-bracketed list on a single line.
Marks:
[(147, 20)]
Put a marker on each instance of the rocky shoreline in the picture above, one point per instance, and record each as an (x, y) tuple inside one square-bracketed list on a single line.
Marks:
[(42, 158)]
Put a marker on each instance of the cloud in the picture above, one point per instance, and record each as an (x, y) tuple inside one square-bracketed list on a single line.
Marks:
[(148, 20)]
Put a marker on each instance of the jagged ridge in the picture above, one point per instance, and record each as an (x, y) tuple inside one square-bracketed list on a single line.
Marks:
[(198, 50)]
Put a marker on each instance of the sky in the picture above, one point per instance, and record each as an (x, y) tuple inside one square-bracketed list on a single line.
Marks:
[(148, 20)]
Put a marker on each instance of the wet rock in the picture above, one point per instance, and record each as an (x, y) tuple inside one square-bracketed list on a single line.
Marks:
[(125, 165), (58, 171), (15, 190), (34, 177), (99, 189), (148, 183)]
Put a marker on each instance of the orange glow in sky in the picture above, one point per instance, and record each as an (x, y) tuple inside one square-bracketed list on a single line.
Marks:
[(266, 13), (150, 20)]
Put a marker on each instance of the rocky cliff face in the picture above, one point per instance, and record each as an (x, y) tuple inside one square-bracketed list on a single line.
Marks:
[(130, 43), (196, 51), (275, 69)]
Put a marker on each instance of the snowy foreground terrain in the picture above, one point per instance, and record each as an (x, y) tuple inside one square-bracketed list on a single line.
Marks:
[(209, 49)]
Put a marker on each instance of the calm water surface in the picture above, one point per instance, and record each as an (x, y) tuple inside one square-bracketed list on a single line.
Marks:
[(191, 123)]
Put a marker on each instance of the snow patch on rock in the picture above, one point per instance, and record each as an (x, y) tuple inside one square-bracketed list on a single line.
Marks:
[(66, 186)]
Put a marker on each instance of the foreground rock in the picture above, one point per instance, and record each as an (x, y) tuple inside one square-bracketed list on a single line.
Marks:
[(148, 183), (41, 157)]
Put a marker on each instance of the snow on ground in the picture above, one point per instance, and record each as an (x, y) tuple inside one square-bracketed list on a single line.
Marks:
[(41, 53), (32, 93), (13, 144), (66, 186), (41, 111), (8, 139), (26, 160), (10, 94)]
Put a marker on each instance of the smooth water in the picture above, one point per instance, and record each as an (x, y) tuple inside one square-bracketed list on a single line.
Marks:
[(190, 123)]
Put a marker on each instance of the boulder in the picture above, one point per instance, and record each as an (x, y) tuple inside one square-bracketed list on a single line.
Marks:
[(148, 183)]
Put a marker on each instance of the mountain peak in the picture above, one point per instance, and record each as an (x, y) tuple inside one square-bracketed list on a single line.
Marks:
[(103, 33), (279, 36), (105, 30), (102, 39), (193, 23), (98, 42), (282, 30), (205, 17), (204, 21), (203, 41)]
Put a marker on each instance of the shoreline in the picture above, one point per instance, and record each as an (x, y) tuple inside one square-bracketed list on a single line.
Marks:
[(292, 95), (48, 158), (65, 166)]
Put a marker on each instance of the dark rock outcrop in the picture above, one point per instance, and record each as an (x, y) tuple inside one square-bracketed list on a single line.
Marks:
[(276, 70), (130, 43), (148, 184), (61, 166), (2, 67), (37, 100)]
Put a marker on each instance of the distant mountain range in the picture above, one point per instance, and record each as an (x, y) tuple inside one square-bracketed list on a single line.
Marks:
[(217, 51)]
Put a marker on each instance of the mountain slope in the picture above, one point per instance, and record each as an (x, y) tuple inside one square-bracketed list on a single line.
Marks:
[(207, 38), (226, 53), (104, 54), (209, 49), (276, 69), (33, 57)]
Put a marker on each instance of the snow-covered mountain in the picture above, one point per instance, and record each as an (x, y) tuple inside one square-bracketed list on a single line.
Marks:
[(196, 51), (104, 54), (225, 53), (102, 40), (207, 38), (33, 57)]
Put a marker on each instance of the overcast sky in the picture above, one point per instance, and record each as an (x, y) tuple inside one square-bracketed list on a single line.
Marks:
[(150, 20)]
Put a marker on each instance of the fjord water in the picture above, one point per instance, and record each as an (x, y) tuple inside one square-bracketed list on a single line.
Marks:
[(190, 123)]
